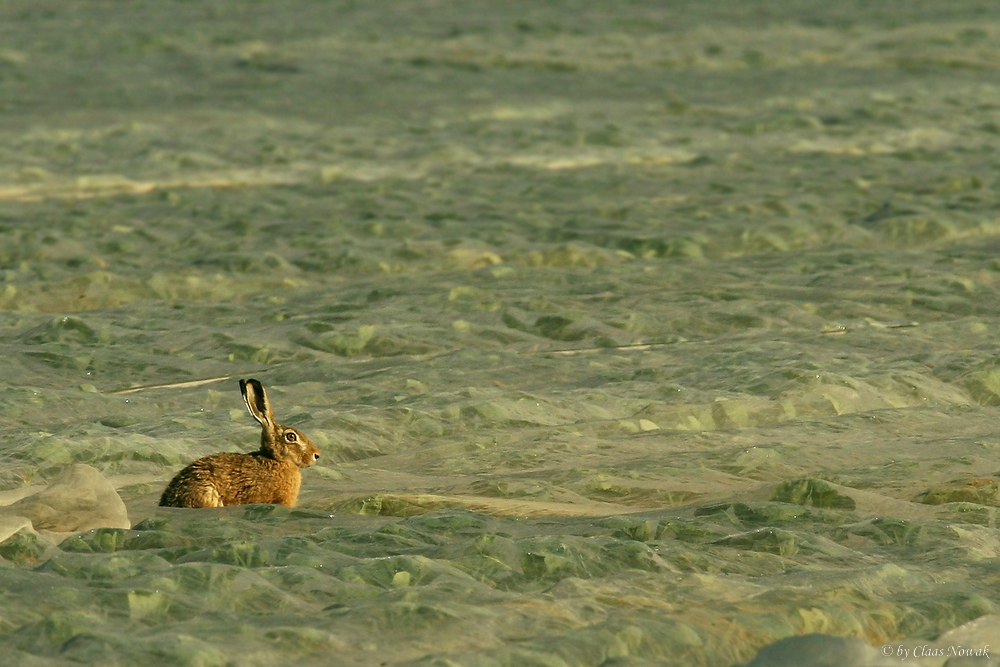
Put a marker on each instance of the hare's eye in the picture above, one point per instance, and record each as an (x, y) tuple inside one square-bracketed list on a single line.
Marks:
[(290, 436)]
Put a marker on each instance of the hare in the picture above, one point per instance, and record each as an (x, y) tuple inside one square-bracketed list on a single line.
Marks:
[(271, 475)]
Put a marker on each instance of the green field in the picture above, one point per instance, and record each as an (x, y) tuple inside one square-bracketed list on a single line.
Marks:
[(632, 333)]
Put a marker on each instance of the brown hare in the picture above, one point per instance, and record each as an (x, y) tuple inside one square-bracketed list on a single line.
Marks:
[(271, 475)]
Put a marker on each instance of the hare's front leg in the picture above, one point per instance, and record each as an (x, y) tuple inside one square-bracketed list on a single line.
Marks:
[(288, 490)]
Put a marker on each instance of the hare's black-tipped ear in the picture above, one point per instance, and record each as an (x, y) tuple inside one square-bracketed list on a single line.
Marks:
[(257, 403)]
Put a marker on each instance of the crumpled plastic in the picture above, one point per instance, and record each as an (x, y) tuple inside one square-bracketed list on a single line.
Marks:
[(78, 499)]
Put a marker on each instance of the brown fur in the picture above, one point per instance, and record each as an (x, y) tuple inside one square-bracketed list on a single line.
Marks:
[(271, 475)]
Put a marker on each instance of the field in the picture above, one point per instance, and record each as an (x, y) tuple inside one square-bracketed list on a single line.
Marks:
[(640, 333)]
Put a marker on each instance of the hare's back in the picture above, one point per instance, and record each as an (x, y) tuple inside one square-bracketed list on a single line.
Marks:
[(233, 479)]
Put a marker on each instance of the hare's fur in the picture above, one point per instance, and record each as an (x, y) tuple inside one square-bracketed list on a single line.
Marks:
[(271, 475)]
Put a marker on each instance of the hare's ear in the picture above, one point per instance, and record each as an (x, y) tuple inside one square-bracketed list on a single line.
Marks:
[(257, 403)]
